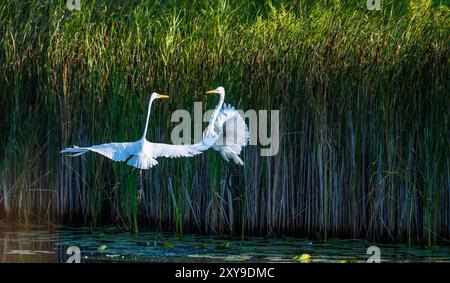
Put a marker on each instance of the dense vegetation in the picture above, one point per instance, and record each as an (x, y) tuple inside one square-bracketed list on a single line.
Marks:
[(364, 100)]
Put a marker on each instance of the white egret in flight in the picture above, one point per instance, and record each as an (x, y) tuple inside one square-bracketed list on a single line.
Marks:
[(142, 154), (229, 125)]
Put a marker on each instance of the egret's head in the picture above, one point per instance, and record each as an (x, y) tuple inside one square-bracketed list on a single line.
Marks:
[(220, 90), (157, 95)]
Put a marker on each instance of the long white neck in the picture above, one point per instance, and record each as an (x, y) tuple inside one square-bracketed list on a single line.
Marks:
[(216, 112), (148, 118)]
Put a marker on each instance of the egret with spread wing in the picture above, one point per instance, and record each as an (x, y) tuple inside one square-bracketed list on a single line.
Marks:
[(229, 126), (142, 154)]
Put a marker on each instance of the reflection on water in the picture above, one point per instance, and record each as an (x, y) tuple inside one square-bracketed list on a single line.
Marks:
[(44, 244), (17, 245)]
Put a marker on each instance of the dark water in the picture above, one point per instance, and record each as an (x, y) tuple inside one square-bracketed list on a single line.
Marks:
[(44, 244)]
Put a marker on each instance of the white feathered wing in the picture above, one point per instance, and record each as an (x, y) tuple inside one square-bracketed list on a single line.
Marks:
[(142, 154), (232, 132)]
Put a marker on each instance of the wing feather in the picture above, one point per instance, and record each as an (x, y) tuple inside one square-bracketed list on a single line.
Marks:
[(232, 129), (181, 150), (232, 132), (114, 151)]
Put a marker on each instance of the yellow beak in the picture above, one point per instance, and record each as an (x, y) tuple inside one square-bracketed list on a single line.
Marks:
[(163, 96), (213, 91)]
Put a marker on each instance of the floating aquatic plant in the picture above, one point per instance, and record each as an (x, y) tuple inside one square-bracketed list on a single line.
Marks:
[(303, 258)]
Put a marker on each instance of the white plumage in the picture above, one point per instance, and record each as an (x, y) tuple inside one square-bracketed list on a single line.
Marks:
[(142, 154), (229, 126)]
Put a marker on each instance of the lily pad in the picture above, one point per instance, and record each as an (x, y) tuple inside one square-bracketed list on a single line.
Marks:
[(349, 261), (102, 248), (224, 245), (304, 258), (168, 245)]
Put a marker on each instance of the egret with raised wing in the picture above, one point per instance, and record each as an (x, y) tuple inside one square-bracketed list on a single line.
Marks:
[(229, 126)]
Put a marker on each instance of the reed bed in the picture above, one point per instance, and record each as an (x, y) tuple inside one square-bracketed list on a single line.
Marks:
[(363, 95)]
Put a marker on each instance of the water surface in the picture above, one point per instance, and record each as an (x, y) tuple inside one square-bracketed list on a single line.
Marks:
[(44, 244)]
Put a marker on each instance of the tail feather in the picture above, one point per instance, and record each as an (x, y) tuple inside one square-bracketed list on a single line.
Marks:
[(141, 162)]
